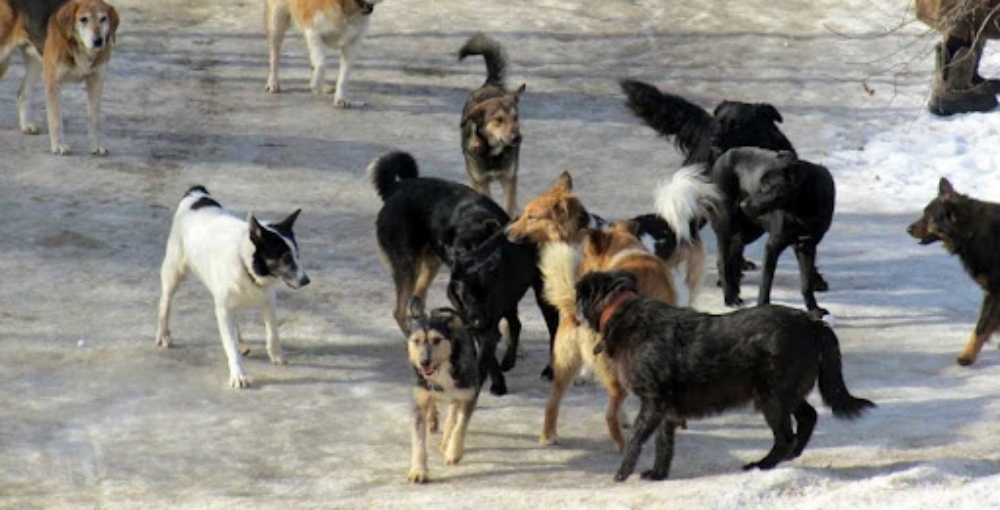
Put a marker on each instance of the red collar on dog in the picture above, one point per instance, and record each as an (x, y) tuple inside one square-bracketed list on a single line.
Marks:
[(609, 310)]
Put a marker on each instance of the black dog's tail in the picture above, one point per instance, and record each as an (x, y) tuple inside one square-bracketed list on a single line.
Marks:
[(386, 172), (492, 52), (831, 380), (670, 115)]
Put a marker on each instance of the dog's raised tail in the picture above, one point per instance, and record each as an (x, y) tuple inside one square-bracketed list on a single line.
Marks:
[(688, 196), (557, 263), (492, 52), (386, 172), (671, 115), (831, 380)]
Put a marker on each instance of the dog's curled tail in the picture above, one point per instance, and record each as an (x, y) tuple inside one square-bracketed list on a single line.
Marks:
[(492, 52), (671, 115), (386, 172), (831, 380), (558, 262), (688, 196)]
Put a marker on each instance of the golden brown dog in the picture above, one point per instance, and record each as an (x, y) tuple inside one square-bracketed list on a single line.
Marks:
[(64, 41), (614, 247), (340, 24)]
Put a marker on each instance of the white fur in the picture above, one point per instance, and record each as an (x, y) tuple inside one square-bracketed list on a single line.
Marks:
[(685, 197), (216, 247)]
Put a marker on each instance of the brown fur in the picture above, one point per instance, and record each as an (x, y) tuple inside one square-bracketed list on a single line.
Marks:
[(69, 54), (556, 215), (615, 247)]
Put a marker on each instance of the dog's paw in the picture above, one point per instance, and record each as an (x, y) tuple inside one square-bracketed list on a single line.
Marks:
[(653, 475), (548, 440), (99, 151), (750, 466), (508, 364), (547, 373), (239, 381), (734, 302), (277, 357), (453, 457), (965, 360), (273, 88), (243, 348), (820, 285), (749, 266), (621, 476), (417, 476), (61, 149), (30, 129), (163, 341), (498, 388), (344, 104)]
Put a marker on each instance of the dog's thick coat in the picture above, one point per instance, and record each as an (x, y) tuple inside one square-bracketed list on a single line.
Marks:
[(686, 364), (445, 364), (774, 192), (968, 228), (427, 221), (340, 24), (491, 127), (605, 249), (240, 262), (62, 41)]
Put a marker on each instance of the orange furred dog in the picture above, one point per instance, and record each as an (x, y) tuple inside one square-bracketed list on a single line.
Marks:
[(64, 41)]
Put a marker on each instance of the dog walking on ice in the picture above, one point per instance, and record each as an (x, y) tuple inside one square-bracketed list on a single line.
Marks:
[(241, 263)]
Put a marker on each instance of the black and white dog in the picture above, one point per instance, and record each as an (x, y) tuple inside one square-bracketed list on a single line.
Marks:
[(774, 192), (241, 263)]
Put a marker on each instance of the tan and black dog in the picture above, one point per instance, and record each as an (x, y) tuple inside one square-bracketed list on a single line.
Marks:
[(491, 128), (339, 24), (968, 228), (63, 41), (444, 360)]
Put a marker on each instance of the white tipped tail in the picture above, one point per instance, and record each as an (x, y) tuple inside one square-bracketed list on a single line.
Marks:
[(558, 263), (687, 196)]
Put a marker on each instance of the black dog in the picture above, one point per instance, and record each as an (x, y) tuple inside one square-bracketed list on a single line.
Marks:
[(487, 283), (968, 228), (774, 192), (700, 136), (427, 221), (686, 364)]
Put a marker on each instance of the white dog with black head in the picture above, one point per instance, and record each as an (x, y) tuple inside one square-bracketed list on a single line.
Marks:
[(241, 263)]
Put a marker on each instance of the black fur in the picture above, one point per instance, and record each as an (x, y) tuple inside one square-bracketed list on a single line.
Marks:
[(686, 364), (271, 250), (651, 225), (37, 14), (774, 192), (493, 54), (196, 189), (968, 228), (464, 360), (459, 227), (702, 137), (204, 202)]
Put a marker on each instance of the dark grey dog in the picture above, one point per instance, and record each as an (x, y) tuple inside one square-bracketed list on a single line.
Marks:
[(686, 364)]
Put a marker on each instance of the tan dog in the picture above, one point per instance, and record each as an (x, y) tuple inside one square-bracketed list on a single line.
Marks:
[(340, 24), (557, 215), (64, 41), (615, 247)]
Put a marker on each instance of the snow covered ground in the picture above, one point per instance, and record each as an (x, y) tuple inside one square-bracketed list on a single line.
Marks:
[(92, 415)]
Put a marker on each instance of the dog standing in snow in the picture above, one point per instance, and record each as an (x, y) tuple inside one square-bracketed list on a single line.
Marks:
[(241, 263)]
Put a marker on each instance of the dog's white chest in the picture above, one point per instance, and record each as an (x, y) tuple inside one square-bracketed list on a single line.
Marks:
[(443, 386), (337, 33)]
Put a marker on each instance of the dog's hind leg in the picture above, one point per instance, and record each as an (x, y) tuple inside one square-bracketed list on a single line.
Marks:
[(551, 317), (427, 268), (805, 421), (418, 441), (95, 84), (694, 269), (488, 366), (172, 273), (271, 330), (509, 186), (227, 326), (456, 444), (989, 320), (276, 20), (664, 452), (32, 71), (566, 364), (651, 415), (513, 341), (780, 421), (616, 398)]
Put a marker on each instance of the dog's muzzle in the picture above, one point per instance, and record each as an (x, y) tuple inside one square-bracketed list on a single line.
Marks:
[(366, 8), (300, 282)]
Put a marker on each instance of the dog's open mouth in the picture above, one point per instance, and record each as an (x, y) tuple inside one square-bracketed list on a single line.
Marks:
[(428, 370)]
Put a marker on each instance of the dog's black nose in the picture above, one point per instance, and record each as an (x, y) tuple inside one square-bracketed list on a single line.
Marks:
[(304, 281), (98, 42), (909, 230)]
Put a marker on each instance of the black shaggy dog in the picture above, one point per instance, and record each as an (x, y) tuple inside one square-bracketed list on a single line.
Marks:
[(700, 136), (774, 192), (425, 222), (968, 228), (686, 364)]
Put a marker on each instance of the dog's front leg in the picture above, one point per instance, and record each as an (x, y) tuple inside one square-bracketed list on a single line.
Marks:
[(650, 417), (317, 58), (449, 426), (95, 84), (989, 320), (513, 341), (418, 443), (664, 452), (730, 260), (772, 251), (32, 71), (808, 275), (347, 56), (227, 330), (456, 447), (271, 329), (509, 186), (52, 87)]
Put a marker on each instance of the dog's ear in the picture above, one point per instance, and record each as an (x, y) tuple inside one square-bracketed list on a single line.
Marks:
[(287, 223), (787, 155), (624, 279), (945, 189), (474, 116), (64, 20), (517, 93), (256, 230), (416, 307), (627, 226), (113, 17), (563, 183), (599, 347), (595, 241), (769, 111)]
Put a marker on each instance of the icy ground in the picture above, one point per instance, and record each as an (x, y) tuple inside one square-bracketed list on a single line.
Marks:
[(93, 416)]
